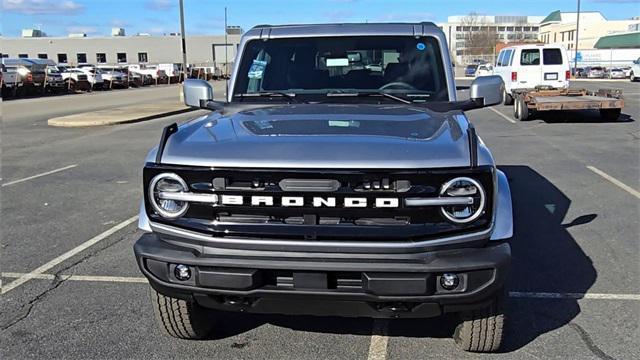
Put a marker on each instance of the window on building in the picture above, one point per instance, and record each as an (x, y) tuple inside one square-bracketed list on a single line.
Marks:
[(534, 28), (501, 28), (509, 28), (530, 57), (555, 37), (527, 28), (475, 28), (552, 56), (62, 58), (23, 56), (142, 57), (82, 58), (562, 36), (43, 56), (466, 28), (518, 28), (458, 28), (5, 55), (122, 58), (101, 58)]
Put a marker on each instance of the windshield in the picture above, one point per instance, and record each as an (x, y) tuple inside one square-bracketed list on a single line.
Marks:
[(401, 65)]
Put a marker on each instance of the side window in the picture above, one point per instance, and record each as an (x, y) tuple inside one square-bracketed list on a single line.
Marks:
[(552, 56), (500, 58), (507, 58), (530, 57)]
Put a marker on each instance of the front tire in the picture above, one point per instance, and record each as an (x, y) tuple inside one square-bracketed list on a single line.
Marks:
[(481, 330), (179, 318), (632, 77)]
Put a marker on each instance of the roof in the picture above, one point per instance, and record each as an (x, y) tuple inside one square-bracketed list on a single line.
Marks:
[(619, 41), (554, 16), (344, 29)]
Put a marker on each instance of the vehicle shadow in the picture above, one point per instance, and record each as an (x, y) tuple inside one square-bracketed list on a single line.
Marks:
[(577, 116), (546, 259)]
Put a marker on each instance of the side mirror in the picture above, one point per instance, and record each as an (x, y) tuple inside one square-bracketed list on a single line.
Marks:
[(486, 90), (197, 93)]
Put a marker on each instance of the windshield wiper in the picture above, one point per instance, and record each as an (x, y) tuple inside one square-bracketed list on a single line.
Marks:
[(368, 93), (288, 96)]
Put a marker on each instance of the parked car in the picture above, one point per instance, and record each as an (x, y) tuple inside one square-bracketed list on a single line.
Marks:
[(348, 199), (24, 75), (627, 71), (634, 74), (170, 70), (530, 66), (94, 76), (75, 79), (616, 73), (55, 82), (470, 70), (148, 73), (484, 70), (594, 72), (113, 77)]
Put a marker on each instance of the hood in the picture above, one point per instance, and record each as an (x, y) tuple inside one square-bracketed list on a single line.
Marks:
[(354, 136)]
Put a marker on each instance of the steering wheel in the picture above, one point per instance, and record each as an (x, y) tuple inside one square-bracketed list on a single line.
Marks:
[(397, 85)]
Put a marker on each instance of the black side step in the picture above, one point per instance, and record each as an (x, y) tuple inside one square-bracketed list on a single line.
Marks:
[(166, 133)]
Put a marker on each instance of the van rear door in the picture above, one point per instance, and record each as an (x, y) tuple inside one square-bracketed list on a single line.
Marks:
[(530, 70), (555, 68)]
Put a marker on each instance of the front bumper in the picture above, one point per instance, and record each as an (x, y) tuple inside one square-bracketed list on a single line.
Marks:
[(394, 285)]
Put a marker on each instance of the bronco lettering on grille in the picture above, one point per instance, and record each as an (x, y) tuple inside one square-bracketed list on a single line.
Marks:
[(316, 201)]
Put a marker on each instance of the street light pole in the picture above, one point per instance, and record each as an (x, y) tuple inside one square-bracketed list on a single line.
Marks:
[(575, 67), (184, 42), (226, 58)]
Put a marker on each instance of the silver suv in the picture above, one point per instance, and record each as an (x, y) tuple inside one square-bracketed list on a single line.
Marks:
[(339, 177)]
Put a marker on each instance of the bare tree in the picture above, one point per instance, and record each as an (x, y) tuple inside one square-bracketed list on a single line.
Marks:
[(480, 36)]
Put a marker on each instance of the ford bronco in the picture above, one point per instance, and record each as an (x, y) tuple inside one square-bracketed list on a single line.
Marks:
[(339, 177)]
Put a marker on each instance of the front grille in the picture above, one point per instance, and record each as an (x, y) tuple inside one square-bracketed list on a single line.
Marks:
[(323, 222)]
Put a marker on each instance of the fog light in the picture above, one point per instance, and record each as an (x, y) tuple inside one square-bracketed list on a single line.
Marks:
[(182, 272), (449, 281)]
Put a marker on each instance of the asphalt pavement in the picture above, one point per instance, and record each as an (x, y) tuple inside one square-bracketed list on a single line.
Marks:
[(574, 287)]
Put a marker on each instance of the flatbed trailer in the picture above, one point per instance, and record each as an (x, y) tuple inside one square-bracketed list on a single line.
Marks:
[(608, 101)]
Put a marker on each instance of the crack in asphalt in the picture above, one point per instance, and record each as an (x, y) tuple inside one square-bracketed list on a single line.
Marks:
[(25, 310), (586, 338)]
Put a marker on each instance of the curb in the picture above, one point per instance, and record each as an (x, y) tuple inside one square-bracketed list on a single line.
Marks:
[(64, 121)]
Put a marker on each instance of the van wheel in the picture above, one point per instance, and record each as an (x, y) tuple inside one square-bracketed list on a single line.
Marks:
[(521, 111), (632, 77), (481, 330), (507, 99), (179, 318)]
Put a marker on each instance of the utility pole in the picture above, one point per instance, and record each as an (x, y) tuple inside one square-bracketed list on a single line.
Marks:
[(575, 67), (184, 42), (226, 58)]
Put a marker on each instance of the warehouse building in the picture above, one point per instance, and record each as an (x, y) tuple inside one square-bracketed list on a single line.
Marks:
[(206, 50)]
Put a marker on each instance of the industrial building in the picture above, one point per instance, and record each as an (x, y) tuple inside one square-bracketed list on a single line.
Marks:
[(205, 50), (507, 29)]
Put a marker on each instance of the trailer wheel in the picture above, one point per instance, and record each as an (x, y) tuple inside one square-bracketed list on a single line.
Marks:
[(507, 99), (610, 114), (521, 111)]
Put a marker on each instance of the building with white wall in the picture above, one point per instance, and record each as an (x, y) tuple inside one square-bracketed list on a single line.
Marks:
[(458, 30), (560, 28), (205, 50)]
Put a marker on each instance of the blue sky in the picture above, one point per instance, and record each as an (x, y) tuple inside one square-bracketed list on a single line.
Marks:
[(97, 17)]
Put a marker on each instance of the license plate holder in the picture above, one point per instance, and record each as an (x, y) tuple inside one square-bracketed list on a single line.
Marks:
[(551, 76)]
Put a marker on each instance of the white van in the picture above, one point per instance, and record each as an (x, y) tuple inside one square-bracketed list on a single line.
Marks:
[(528, 66)]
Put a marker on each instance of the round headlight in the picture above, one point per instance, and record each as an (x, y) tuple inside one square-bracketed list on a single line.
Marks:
[(463, 187), (164, 183)]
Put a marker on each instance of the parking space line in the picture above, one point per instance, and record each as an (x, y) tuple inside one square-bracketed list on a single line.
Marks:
[(503, 115), (596, 296), (73, 277), (379, 340), (39, 175), (615, 181), (49, 265)]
